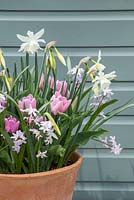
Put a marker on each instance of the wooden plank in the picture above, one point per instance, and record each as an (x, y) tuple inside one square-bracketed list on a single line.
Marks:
[(104, 191), (67, 5), (101, 165), (76, 29), (118, 59)]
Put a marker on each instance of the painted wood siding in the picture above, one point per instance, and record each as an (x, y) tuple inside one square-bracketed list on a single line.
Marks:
[(81, 28)]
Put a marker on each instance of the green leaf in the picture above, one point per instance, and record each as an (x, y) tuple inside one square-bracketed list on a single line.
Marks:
[(30, 82), (30, 149), (22, 94), (86, 92), (21, 158), (7, 137), (56, 150), (2, 115), (77, 118), (36, 69), (56, 128), (41, 109), (4, 156), (69, 65), (84, 136), (113, 113), (40, 73), (96, 113), (17, 78), (23, 75)]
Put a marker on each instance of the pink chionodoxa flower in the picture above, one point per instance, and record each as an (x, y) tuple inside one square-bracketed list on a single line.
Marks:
[(41, 84), (61, 86), (27, 102), (59, 103), (11, 124)]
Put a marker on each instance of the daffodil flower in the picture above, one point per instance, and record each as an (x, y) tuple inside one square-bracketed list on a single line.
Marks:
[(31, 41), (97, 66), (104, 79)]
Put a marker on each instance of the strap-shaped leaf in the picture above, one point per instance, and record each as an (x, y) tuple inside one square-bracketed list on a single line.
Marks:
[(113, 113), (56, 150), (96, 113), (7, 137), (86, 92), (84, 136), (17, 78)]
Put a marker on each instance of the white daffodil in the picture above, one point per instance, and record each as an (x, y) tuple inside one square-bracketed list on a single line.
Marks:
[(31, 41), (104, 79), (95, 89), (97, 66)]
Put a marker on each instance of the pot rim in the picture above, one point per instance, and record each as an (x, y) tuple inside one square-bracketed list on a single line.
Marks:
[(47, 173)]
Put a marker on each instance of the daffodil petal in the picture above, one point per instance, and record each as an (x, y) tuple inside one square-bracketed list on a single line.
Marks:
[(39, 33), (22, 38)]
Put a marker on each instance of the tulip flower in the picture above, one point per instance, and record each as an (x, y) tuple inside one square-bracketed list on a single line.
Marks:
[(59, 103), (61, 86), (11, 124), (27, 102), (41, 84)]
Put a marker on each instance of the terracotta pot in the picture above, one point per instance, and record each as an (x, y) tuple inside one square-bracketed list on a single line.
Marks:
[(52, 185)]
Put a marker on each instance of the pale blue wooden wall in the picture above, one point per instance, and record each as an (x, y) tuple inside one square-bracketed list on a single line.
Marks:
[(82, 27)]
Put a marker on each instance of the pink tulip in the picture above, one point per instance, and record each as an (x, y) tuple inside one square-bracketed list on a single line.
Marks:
[(61, 86), (51, 82), (59, 103), (27, 102), (11, 124), (41, 84)]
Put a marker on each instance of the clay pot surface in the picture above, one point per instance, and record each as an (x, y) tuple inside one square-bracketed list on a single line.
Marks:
[(57, 184)]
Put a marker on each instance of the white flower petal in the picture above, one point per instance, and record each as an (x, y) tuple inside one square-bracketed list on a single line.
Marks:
[(99, 56), (30, 34), (42, 40), (39, 33), (22, 38)]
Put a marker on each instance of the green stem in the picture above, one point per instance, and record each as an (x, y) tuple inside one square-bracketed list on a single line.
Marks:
[(38, 165), (61, 160), (3, 148), (40, 73), (38, 159), (36, 69)]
